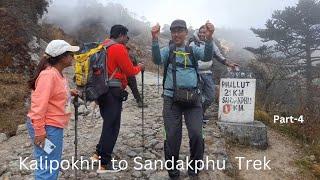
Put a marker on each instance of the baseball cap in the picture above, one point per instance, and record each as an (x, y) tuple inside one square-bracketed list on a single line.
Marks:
[(58, 47), (178, 23)]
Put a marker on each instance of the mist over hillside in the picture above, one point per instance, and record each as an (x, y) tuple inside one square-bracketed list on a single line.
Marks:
[(238, 37), (92, 20)]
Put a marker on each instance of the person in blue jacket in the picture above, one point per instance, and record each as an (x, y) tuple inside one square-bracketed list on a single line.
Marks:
[(182, 74)]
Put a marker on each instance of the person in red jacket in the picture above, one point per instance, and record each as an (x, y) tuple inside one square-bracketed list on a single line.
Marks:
[(120, 66)]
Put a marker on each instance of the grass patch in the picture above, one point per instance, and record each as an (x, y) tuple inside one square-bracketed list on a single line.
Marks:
[(307, 134)]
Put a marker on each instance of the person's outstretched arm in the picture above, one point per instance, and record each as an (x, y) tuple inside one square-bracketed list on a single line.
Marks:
[(220, 58), (123, 61), (206, 54), (217, 54), (158, 56)]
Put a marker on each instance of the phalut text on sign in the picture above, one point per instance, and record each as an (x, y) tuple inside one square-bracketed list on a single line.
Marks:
[(237, 98)]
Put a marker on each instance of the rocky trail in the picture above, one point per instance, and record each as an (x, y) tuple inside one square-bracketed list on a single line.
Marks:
[(129, 145)]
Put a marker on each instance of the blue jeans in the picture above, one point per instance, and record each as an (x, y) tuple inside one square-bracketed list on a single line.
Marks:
[(207, 90), (55, 135)]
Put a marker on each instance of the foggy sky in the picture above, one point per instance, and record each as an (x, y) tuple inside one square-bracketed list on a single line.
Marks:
[(241, 14), (223, 13), (233, 18)]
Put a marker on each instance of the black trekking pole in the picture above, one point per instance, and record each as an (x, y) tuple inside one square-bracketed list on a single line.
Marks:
[(158, 79), (76, 105), (142, 109)]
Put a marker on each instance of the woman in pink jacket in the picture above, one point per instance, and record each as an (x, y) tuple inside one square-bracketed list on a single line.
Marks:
[(50, 106)]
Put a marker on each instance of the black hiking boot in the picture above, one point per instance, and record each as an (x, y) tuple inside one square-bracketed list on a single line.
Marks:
[(108, 169), (205, 119)]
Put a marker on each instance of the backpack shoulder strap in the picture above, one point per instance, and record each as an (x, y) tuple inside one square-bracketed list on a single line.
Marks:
[(194, 40), (171, 56), (110, 43), (190, 41), (105, 47), (193, 60)]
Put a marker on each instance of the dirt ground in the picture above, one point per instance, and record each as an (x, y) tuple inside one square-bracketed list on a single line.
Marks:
[(282, 153)]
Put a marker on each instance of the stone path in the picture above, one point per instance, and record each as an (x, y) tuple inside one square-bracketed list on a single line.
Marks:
[(129, 144)]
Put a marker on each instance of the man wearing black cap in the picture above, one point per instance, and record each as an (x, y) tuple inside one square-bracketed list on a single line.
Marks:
[(181, 92)]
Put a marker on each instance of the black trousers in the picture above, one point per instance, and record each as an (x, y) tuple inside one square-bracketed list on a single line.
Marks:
[(172, 116), (110, 106), (132, 83)]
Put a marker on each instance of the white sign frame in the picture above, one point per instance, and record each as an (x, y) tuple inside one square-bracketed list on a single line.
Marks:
[(237, 100)]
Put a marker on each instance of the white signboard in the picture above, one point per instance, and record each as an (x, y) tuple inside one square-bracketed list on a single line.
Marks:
[(237, 98)]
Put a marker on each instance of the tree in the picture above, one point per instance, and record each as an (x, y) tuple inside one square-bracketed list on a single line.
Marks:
[(295, 35)]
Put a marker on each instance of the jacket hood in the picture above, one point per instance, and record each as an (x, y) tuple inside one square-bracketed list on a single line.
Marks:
[(196, 37)]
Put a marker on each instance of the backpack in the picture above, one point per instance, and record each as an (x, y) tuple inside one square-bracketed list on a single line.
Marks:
[(193, 39), (91, 74), (185, 96)]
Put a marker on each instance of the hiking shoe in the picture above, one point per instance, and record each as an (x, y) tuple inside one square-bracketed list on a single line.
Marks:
[(95, 157), (205, 119), (140, 104), (108, 169)]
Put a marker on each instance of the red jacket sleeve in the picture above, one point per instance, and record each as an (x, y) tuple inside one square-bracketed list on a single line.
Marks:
[(123, 61)]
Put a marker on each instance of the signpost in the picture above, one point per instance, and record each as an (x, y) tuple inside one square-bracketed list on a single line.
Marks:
[(236, 112), (237, 98)]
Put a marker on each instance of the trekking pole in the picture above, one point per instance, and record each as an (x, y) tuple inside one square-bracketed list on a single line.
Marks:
[(76, 105), (142, 109), (94, 112), (158, 79)]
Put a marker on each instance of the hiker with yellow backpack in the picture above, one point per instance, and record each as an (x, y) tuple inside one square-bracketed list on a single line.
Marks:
[(104, 79)]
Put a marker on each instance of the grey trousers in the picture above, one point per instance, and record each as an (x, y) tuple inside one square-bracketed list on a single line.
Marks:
[(172, 116), (207, 87), (132, 83)]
